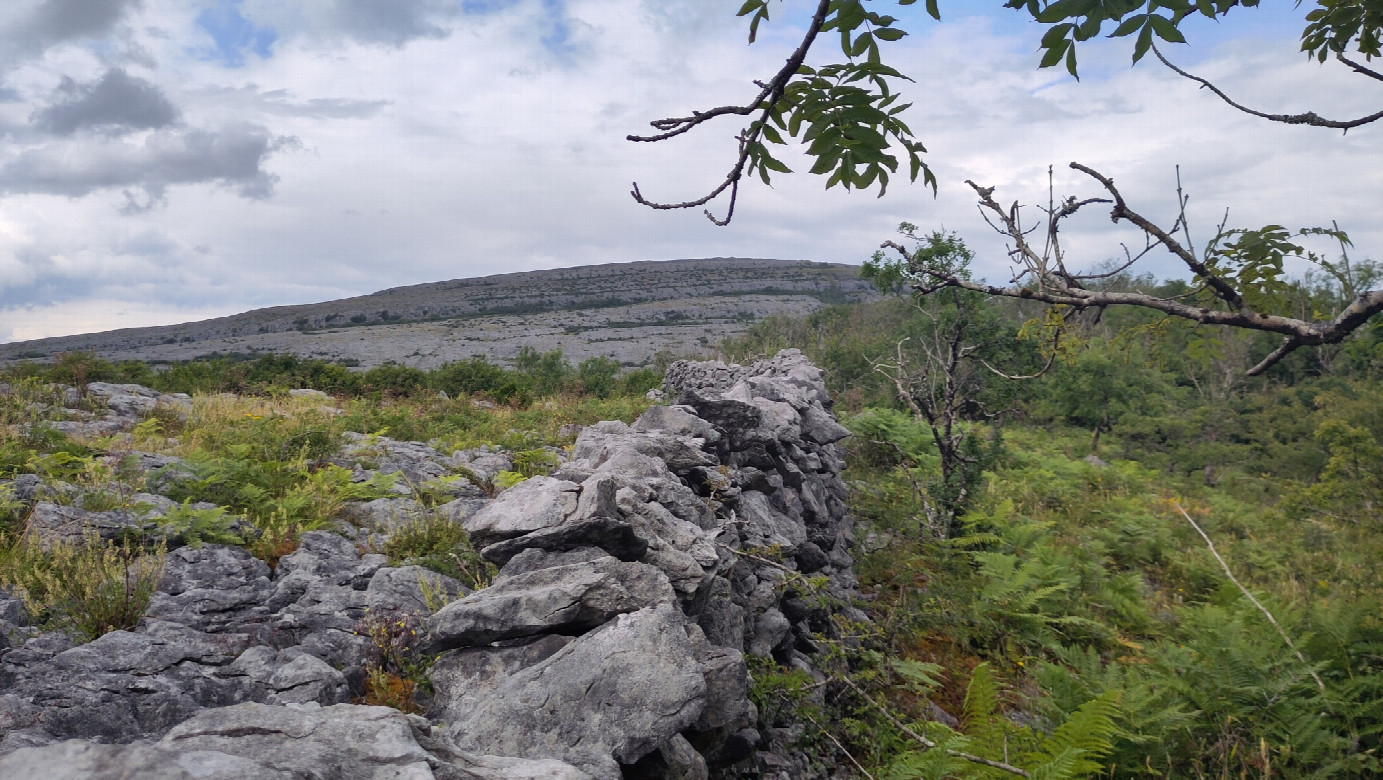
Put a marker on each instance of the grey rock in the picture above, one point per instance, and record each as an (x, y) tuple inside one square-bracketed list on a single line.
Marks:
[(459, 509), (124, 685), (765, 526), (323, 555), (770, 628), (567, 599), (486, 464), (82, 760), (383, 514), (532, 505), (620, 538), (402, 589), (614, 695), (344, 742), (58, 524), (535, 558), (598, 442), (681, 420), (12, 609), (288, 677), (465, 677), (415, 462), (24, 487), (212, 588), (727, 690)]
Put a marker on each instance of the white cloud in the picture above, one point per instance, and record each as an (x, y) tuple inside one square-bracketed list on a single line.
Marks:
[(428, 156)]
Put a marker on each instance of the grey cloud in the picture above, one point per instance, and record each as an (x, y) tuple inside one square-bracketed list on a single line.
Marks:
[(386, 22), (48, 282), (281, 102), (55, 21), (117, 103), (390, 21), (233, 156)]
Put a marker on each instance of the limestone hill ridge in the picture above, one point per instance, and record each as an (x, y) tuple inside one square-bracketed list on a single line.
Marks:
[(628, 311)]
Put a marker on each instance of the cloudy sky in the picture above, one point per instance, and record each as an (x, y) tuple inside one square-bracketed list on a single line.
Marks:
[(171, 160)]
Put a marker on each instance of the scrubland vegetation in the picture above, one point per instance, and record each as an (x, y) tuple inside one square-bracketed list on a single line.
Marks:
[(1054, 599), (1043, 606)]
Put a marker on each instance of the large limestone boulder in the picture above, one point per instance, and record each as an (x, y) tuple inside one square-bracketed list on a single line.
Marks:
[(568, 599), (610, 697)]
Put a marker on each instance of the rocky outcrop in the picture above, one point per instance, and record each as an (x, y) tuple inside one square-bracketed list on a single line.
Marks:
[(635, 581), (638, 575)]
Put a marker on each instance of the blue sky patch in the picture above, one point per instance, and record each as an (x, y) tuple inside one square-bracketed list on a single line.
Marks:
[(233, 35)]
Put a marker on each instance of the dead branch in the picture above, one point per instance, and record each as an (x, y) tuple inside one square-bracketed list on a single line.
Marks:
[(927, 743), (1310, 118), (1249, 596), (1042, 278)]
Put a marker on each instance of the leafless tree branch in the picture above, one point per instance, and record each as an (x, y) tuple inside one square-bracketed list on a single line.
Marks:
[(1249, 596), (927, 743), (1040, 279), (1357, 68), (1309, 118)]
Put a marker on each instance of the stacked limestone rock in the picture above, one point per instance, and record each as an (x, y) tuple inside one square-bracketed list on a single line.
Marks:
[(634, 581), (636, 577)]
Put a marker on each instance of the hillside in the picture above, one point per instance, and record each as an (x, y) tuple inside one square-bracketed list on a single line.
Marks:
[(628, 311)]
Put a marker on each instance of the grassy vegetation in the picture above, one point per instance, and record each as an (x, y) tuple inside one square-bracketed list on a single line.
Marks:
[(1072, 622), (1074, 595), (261, 458)]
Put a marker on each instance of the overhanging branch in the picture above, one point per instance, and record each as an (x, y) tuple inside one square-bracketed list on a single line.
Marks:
[(1040, 279), (1310, 118), (769, 95)]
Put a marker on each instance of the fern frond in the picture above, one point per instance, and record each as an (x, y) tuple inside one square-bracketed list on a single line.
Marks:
[(982, 706)]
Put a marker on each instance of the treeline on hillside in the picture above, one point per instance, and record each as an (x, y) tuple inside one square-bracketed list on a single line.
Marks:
[(1176, 396), (534, 374)]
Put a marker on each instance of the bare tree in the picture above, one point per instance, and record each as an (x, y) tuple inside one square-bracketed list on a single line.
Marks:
[(1236, 277), (945, 371)]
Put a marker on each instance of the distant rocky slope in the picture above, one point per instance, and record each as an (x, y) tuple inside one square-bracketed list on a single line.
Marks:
[(627, 311), (635, 582)]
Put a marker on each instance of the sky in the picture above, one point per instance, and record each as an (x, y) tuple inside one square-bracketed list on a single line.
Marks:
[(164, 161)]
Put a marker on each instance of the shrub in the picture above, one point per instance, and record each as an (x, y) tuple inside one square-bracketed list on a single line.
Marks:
[(88, 590), (436, 543)]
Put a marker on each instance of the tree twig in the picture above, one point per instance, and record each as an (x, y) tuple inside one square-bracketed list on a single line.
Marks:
[(1037, 280), (1309, 118), (1249, 596), (839, 746), (769, 95), (927, 743)]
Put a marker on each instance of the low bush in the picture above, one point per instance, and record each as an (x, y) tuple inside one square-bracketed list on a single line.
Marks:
[(437, 543), (87, 590)]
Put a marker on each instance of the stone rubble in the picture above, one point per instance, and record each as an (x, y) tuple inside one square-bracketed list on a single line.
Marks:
[(636, 579)]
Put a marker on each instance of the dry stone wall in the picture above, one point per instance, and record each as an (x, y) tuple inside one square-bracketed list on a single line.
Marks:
[(635, 582)]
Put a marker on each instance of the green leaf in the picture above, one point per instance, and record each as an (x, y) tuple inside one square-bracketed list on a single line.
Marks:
[(1055, 35), (861, 44), (1129, 25), (1144, 42), (772, 164), (1054, 54), (1165, 29), (889, 34)]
